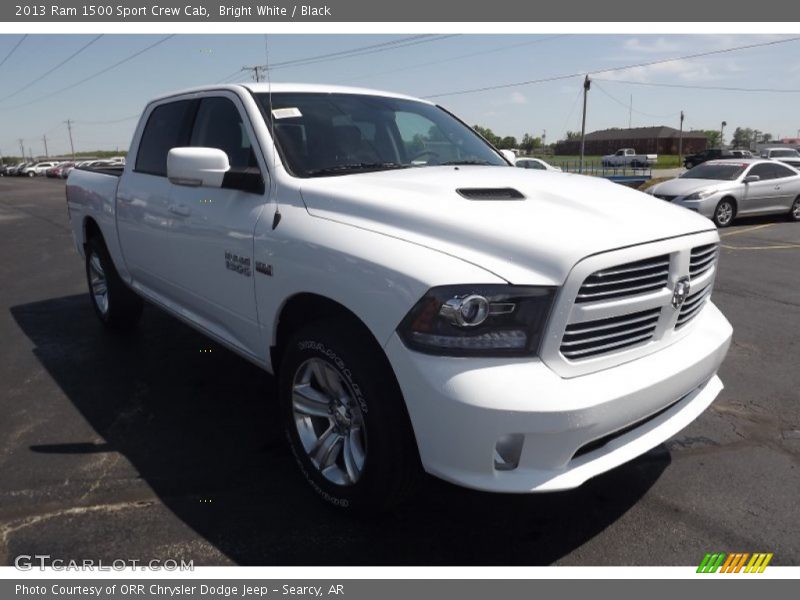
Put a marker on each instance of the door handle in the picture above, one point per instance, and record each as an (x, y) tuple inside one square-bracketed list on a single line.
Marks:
[(180, 209)]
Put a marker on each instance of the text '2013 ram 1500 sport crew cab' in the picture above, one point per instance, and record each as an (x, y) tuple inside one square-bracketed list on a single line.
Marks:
[(422, 303)]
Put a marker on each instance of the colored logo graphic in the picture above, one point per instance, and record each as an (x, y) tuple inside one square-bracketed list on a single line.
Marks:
[(735, 562)]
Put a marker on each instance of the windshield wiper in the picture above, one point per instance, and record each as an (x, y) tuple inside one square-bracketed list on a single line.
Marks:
[(356, 167), (473, 161)]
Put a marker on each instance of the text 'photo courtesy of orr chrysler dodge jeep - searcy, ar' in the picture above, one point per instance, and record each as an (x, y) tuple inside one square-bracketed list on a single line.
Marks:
[(423, 304)]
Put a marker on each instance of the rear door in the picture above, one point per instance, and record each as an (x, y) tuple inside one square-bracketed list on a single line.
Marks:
[(144, 222), (759, 195), (212, 236), (786, 188)]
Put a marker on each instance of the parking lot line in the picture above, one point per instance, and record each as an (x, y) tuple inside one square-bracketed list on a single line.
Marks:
[(745, 230)]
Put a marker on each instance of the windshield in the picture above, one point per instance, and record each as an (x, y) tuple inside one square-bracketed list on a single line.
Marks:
[(724, 172), (784, 153), (321, 134)]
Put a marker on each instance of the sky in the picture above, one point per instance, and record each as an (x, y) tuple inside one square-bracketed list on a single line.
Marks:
[(104, 109)]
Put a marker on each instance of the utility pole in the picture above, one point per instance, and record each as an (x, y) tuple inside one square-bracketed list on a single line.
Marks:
[(544, 141), (46, 153), (71, 145), (630, 113), (680, 144), (257, 70), (21, 149), (722, 134), (586, 85)]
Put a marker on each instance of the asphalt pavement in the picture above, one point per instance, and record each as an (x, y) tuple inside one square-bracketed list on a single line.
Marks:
[(163, 445)]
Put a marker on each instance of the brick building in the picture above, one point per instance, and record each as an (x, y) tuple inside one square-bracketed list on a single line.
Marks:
[(645, 140)]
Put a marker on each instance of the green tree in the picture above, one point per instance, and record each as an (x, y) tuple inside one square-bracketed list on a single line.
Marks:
[(742, 137), (573, 135), (712, 137), (530, 143), (507, 143), (488, 134)]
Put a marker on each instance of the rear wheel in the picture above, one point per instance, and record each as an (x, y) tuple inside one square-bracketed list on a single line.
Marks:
[(345, 418), (115, 304), (794, 213), (724, 212)]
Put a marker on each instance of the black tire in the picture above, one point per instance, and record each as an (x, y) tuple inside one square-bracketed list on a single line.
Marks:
[(123, 308), (724, 213), (390, 462), (794, 212), (689, 165), (31, 174)]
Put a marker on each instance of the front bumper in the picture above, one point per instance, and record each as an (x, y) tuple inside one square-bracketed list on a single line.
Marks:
[(461, 407), (705, 206)]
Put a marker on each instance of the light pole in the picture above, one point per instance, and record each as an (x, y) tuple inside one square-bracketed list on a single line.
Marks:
[(680, 144), (587, 83), (722, 134)]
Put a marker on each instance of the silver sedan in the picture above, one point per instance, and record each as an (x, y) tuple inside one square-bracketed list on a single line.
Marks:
[(725, 189)]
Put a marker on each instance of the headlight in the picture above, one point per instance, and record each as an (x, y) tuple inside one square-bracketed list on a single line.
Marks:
[(700, 195), (478, 320)]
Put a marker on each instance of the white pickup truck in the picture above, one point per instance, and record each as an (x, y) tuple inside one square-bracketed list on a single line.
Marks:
[(627, 157), (423, 304)]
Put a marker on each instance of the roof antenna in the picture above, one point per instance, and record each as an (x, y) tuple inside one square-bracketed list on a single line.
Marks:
[(277, 217)]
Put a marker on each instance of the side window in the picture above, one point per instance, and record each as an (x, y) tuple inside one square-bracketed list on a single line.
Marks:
[(781, 171), (167, 128), (537, 165), (218, 124), (764, 171)]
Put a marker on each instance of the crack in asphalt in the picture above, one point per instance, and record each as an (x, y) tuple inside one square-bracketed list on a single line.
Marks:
[(6, 529)]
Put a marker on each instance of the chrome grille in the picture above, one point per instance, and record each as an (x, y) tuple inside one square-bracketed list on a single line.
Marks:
[(629, 279), (702, 259), (692, 306), (591, 338)]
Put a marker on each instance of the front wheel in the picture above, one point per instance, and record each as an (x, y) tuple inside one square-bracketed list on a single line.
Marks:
[(115, 304), (724, 213), (31, 174), (345, 419), (794, 213)]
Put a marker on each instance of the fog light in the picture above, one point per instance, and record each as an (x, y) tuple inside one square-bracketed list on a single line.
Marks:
[(507, 452)]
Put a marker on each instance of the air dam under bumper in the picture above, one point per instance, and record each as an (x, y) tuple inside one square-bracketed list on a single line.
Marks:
[(461, 407)]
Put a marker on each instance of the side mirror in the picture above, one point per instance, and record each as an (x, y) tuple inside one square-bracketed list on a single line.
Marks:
[(196, 167), (509, 156), (752, 179)]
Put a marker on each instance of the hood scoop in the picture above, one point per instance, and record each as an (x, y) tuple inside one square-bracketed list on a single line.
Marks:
[(490, 193)]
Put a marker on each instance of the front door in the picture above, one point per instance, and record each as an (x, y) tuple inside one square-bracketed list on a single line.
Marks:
[(213, 246)]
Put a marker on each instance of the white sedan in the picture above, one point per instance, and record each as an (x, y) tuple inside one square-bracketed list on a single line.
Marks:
[(534, 163), (725, 189)]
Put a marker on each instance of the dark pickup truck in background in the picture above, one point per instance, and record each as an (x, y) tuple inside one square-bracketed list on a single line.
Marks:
[(693, 160)]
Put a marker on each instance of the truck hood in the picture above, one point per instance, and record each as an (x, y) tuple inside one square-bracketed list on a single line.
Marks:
[(536, 240)]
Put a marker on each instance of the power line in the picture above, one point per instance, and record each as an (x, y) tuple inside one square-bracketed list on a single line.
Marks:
[(363, 51), (703, 87), (614, 69), (123, 119), (459, 57), (58, 66), (93, 75), (371, 49), (14, 49), (621, 103)]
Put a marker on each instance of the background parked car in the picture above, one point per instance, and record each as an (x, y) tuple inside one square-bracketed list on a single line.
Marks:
[(723, 190), (534, 163), (39, 168), (693, 160), (780, 153), (58, 170)]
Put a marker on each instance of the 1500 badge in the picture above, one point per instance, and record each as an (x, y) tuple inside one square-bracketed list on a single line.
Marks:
[(240, 264)]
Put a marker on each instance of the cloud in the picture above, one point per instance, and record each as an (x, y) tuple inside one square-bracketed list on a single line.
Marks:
[(676, 70), (518, 98), (652, 45)]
